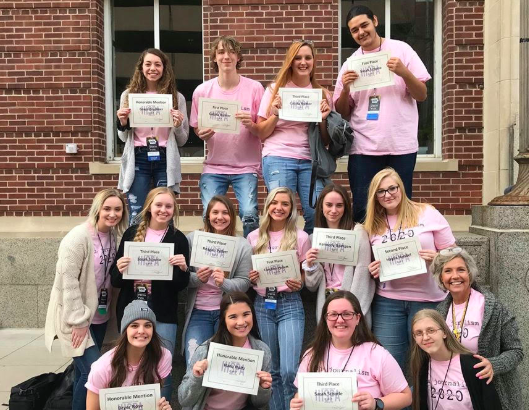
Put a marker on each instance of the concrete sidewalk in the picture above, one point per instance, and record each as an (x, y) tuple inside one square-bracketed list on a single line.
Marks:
[(23, 355)]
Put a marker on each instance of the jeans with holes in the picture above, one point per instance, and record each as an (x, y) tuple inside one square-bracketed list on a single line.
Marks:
[(245, 188), (202, 325), (167, 333), (145, 173), (282, 330), (294, 174)]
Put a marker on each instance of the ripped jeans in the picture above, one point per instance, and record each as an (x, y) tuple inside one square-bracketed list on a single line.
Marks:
[(202, 325), (245, 188), (145, 171)]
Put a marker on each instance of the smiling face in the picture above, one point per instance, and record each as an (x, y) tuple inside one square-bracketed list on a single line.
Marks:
[(219, 217), (388, 201), (363, 30), (280, 207), (110, 214), (152, 67), (303, 63), (239, 320), (341, 329), (333, 208), (455, 278), (226, 58), (162, 211), (431, 339), (139, 333)]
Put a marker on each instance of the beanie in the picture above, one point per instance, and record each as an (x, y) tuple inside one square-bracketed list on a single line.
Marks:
[(137, 309)]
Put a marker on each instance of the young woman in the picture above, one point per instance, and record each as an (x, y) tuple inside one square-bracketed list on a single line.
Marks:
[(392, 217), (333, 211), (482, 323), (443, 371), (207, 284), (343, 343), (162, 296), (385, 127), (237, 327), (281, 321), (286, 153), (138, 357), (151, 153), (80, 298)]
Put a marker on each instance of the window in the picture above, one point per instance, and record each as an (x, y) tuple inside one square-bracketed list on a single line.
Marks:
[(131, 26), (418, 23)]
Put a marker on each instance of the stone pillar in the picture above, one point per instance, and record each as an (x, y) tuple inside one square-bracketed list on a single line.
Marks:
[(507, 228)]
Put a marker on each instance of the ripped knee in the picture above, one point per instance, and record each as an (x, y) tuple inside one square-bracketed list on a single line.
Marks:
[(191, 347)]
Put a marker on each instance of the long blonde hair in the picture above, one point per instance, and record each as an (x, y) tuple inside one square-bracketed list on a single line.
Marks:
[(408, 211), (145, 214), (97, 204), (418, 356), (289, 241), (285, 72)]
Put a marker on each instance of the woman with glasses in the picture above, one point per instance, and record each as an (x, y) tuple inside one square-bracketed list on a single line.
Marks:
[(286, 153), (392, 217), (480, 323), (444, 372), (344, 343)]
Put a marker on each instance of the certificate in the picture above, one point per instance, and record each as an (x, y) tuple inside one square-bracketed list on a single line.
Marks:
[(233, 368), (372, 69), (143, 397), (211, 249), (336, 245), (275, 268), (149, 260), (399, 259), (300, 104), (150, 110), (219, 115), (321, 391)]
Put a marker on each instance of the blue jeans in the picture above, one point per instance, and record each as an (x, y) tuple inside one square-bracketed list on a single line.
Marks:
[(202, 325), (167, 332), (282, 330), (245, 188), (294, 174), (145, 171), (392, 325), (362, 169), (83, 363)]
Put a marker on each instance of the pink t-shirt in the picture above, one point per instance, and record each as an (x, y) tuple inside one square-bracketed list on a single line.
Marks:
[(274, 244), (231, 153), (208, 296), (377, 372), (434, 233), (103, 251), (333, 275), (455, 394), (222, 399), (142, 133), (473, 320), (101, 371), (395, 132)]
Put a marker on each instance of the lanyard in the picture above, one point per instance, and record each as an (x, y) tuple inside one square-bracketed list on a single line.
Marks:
[(389, 227), (444, 381), (459, 333), (329, 353), (106, 258)]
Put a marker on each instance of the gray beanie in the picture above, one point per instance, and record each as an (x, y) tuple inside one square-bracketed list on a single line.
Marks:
[(137, 309)]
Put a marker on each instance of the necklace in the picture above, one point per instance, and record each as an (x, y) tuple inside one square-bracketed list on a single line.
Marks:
[(329, 353), (444, 381), (389, 228), (458, 333), (379, 48)]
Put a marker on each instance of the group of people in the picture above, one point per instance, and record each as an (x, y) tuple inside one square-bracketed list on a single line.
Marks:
[(456, 343)]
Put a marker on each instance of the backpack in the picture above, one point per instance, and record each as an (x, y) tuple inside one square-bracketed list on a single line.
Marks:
[(32, 393), (62, 396)]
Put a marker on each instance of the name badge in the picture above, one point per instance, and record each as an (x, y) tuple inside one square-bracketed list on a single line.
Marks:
[(142, 291), (103, 302), (271, 298), (373, 108), (153, 153)]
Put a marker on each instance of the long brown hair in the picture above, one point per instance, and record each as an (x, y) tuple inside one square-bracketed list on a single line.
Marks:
[(148, 368), (230, 230), (418, 356), (145, 214), (166, 84), (323, 338), (347, 221)]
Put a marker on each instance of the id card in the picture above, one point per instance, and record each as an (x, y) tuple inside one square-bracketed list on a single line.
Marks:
[(373, 108), (271, 298), (142, 291), (153, 153), (103, 302)]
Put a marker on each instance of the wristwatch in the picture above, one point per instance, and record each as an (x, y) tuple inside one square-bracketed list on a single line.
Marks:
[(379, 404)]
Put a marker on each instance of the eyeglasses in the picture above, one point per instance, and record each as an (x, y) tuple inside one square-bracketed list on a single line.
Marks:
[(391, 190), (302, 40), (430, 332), (451, 251), (333, 316)]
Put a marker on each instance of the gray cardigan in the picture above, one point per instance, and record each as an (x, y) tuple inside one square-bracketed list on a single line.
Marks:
[(177, 138), (357, 279), (237, 281), (193, 396), (498, 342)]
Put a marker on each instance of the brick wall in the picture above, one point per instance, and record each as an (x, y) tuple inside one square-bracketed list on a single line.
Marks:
[(52, 93)]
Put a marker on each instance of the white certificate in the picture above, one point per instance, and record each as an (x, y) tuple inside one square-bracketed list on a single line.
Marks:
[(321, 391), (300, 104), (151, 110), (143, 397), (275, 268), (149, 260), (211, 249), (399, 259), (372, 69), (219, 115), (336, 245), (233, 368)]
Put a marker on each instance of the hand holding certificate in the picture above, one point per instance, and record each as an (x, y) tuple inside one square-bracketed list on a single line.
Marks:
[(219, 115), (151, 110), (372, 70), (210, 249), (276, 268), (148, 260), (399, 259), (300, 104), (336, 246), (321, 391), (143, 397)]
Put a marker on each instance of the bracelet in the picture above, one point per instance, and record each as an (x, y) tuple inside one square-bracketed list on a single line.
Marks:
[(308, 268)]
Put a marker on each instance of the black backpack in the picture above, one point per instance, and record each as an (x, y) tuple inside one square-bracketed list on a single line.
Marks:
[(62, 396)]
